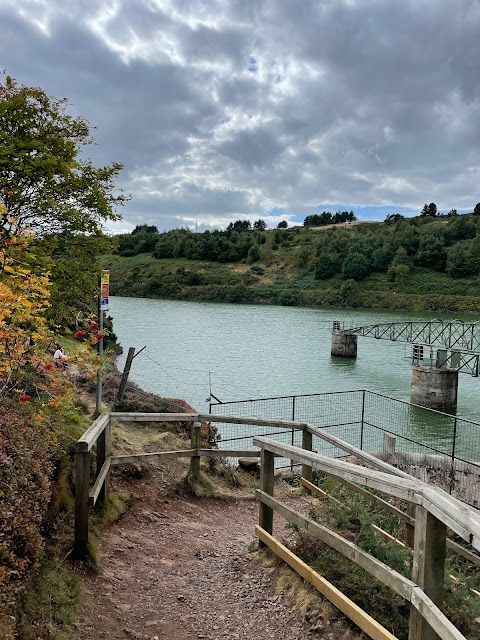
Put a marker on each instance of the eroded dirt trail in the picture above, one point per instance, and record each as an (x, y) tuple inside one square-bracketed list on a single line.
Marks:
[(179, 568)]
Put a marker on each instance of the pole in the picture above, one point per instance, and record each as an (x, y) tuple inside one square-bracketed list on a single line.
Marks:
[(125, 374), (98, 402)]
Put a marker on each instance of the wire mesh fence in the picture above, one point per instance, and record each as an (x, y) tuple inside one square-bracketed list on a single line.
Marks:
[(435, 447)]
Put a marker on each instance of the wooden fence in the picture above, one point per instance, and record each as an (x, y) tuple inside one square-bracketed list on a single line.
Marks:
[(431, 511)]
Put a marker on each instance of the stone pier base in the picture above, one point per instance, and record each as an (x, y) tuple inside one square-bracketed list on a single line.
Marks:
[(344, 345), (434, 388)]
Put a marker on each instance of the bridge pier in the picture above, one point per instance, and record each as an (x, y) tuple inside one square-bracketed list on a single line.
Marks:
[(434, 388), (344, 345)]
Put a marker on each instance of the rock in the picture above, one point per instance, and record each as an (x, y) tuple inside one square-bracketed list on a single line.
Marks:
[(252, 465)]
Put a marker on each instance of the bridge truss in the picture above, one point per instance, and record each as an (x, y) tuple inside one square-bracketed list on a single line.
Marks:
[(451, 345)]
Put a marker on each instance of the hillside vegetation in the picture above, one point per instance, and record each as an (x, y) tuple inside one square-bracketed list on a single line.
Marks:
[(418, 264)]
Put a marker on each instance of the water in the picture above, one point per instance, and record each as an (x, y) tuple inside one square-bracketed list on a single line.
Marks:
[(194, 349)]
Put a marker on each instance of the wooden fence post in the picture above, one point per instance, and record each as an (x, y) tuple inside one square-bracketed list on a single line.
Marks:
[(307, 445), (82, 488), (104, 451), (428, 568), (195, 444), (265, 519)]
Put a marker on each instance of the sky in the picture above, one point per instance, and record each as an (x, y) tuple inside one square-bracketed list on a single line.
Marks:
[(222, 110)]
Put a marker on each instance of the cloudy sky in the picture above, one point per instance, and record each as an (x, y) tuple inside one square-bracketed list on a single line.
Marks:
[(228, 109)]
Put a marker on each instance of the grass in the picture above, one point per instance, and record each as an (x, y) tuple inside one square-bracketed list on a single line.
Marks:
[(49, 608)]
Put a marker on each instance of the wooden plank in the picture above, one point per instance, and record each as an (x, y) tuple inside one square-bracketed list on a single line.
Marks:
[(127, 416), (465, 553), (428, 569), (312, 488), (261, 422), (88, 439), (387, 537), (186, 453), (400, 487), (365, 622), (461, 518), (458, 516), (307, 471), (104, 450), (195, 444), (230, 453), (373, 498), (378, 569), (82, 486), (146, 457), (267, 479), (97, 487), (435, 618), (355, 451)]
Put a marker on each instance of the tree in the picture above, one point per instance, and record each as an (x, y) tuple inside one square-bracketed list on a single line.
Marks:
[(391, 218), (429, 210), (260, 225), (282, 225), (45, 184), (476, 211), (355, 266), (326, 267), (451, 213), (48, 188)]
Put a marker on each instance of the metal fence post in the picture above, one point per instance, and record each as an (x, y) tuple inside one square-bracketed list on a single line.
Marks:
[(363, 417), (454, 447)]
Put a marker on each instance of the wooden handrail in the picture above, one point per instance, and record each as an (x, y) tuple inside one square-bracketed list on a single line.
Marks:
[(91, 435), (461, 518)]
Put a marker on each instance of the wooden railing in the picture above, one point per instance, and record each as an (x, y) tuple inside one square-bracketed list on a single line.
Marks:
[(431, 511)]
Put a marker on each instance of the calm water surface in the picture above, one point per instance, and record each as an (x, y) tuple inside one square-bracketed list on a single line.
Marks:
[(244, 351)]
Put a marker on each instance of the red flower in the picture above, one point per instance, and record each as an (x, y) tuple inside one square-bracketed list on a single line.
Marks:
[(94, 325), (79, 334), (57, 393), (48, 366), (99, 335), (25, 398)]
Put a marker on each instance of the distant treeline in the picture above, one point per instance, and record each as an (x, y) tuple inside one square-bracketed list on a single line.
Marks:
[(324, 218), (449, 245), (238, 242)]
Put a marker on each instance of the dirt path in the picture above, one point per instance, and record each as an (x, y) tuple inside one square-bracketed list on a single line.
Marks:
[(179, 568)]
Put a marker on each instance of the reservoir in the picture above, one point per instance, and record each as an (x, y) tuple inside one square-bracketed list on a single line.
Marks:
[(238, 352)]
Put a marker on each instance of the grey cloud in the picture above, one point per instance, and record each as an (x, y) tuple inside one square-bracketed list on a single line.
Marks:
[(368, 102)]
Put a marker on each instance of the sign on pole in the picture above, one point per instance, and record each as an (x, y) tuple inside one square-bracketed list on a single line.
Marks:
[(104, 288)]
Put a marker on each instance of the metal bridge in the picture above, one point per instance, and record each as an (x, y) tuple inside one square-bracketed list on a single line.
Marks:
[(444, 344)]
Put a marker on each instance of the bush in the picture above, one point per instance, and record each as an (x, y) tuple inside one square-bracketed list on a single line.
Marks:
[(25, 468)]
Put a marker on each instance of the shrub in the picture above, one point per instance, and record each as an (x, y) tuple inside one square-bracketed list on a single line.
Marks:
[(25, 492)]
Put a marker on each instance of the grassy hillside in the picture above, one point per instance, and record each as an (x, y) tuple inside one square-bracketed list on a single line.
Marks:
[(372, 265)]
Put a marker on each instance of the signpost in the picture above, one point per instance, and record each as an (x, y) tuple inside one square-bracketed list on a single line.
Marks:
[(102, 306)]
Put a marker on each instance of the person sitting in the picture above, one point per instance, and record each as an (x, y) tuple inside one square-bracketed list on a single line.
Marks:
[(60, 358)]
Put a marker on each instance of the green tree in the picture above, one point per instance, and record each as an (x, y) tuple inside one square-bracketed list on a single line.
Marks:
[(326, 267), (260, 225), (355, 266), (429, 210), (476, 211), (283, 224), (47, 185)]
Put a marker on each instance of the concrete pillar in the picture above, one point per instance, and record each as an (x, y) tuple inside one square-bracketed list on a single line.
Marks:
[(344, 345), (434, 388)]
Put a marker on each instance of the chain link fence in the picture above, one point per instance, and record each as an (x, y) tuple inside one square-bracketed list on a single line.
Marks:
[(435, 447)]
